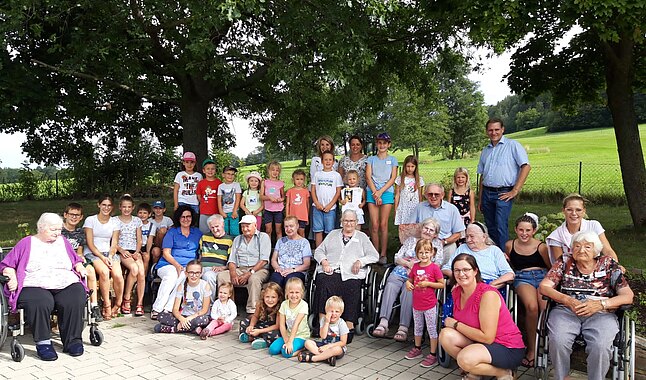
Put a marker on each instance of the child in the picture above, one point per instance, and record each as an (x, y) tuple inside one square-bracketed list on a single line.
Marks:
[(148, 232), (251, 203), (408, 194), (298, 200), (129, 247), (207, 193), (185, 184), (223, 313), (72, 216), (423, 279), (272, 192), (326, 189), (353, 197), (530, 259), (191, 307), (462, 196), (381, 171), (262, 329), (229, 194), (292, 319), (334, 336), (162, 224)]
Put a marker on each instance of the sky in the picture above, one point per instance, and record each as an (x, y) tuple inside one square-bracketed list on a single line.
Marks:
[(490, 79)]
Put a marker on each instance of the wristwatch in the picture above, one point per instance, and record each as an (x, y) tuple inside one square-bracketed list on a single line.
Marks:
[(604, 304), (252, 271), (455, 325)]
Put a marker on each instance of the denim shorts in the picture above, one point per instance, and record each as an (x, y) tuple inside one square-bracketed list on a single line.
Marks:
[(504, 357), (531, 277), (302, 224), (323, 221), (90, 257), (387, 198)]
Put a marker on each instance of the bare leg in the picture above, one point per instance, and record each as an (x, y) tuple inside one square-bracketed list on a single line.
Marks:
[(374, 225), (384, 214), (91, 284), (279, 231), (529, 297)]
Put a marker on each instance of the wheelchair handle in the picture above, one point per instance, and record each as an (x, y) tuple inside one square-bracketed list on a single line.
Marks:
[(3, 279)]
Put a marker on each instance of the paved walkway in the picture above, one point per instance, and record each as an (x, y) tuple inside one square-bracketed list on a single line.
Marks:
[(131, 350)]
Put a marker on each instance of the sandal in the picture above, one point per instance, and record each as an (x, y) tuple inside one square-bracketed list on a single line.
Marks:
[(107, 311), (379, 331), (153, 315), (401, 335), (115, 310), (527, 363), (332, 361), (125, 307), (305, 357), (139, 311), (508, 376), (468, 376)]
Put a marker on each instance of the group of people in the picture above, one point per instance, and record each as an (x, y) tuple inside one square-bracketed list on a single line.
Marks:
[(207, 249)]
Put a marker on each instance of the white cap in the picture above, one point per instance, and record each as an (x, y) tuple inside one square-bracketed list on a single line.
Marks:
[(249, 219)]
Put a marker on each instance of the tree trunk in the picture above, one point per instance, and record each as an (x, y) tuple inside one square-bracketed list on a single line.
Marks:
[(195, 124), (304, 157), (619, 80)]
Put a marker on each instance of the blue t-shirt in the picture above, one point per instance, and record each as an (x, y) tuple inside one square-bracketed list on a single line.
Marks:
[(381, 171), (183, 249)]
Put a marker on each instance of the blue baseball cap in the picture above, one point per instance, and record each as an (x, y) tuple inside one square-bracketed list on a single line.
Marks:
[(160, 204)]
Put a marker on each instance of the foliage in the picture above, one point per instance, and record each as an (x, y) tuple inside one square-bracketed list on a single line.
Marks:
[(28, 182), (223, 157), (547, 224)]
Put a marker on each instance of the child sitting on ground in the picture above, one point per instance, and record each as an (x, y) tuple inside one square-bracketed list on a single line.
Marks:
[(223, 313), (292, 319), (334, 336), (262, 329)]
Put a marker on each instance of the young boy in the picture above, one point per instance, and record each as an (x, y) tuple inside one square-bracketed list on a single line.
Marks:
[(72, 217), (162, 223), (148, 232), (207, 194), (353, 197), (229, 194), (298, 200), (326, 189), (334, 336)]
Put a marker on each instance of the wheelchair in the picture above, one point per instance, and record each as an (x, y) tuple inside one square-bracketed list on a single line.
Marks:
[(366, 306), (622, 359)]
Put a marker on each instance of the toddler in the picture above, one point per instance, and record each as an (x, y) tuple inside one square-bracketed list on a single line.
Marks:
[(223, 313)]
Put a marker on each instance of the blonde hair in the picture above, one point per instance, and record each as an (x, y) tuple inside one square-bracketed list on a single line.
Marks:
[(329, 140), (230, 287), (335, 301), (574, 197), (422, 244), (294, 281), (461, 170)]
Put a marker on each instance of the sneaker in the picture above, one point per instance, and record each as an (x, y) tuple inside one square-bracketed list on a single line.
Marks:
[(383, 260), (96, 313), (429, 361), (157, 328), (258, 344), (243, 337), (414, 353), (204, 334)]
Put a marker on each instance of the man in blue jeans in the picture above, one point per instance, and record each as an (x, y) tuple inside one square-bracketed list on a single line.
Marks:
[(503, 169)]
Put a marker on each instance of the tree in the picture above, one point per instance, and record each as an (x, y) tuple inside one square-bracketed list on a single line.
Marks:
[(609, 50)]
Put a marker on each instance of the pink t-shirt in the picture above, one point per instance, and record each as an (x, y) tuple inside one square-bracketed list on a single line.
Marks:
[(424, 298), (272, 189), (507, 333), (299, 204)]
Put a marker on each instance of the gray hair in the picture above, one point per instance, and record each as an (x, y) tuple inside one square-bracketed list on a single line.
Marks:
[(217, 217), (428, 186), (354, 213), (589, 237), (433, 223), (482, 228), (48, 219)]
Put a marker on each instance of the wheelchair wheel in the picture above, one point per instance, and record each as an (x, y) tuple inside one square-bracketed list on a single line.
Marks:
[(443, 357), (370, 329), (629, 354), (4, 319), (310, 322), (17, 351), (96, 336), (360, 327)]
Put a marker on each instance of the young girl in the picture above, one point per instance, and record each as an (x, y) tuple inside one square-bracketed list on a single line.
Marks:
[(334, 336), (191, 307), (462, 196), (102, 235), (381, 171), (223, 313), (298, 201), (272, 192), (263, 329), (129, 248), (408, 194), (292, 319), (251, 204), (353, 197), (530, 260), (423, 279), (185, 184)]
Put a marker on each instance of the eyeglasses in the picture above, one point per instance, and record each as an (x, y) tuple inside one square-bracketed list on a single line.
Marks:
[(73, 215), (349, 221), (463, 271), (193, 273), (186, 217), (433, 195), (428, 229)]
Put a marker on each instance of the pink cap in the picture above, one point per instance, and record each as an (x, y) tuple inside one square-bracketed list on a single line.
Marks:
[(189, 156)]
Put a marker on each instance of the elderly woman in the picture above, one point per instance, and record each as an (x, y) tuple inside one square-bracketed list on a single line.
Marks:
[(575, 212), (481, 335), (395, 285), (45, 274), (343, 257), (292, 254), (179, 247), (591, 286)]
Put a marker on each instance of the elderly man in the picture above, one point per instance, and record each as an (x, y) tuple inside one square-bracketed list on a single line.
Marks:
[(503, 169), (215, 248), (248, 261), (451, 224)]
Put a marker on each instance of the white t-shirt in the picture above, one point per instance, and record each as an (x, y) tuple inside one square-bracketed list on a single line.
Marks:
[(102, 233), (166, 222), (561, 236), (326, 184), (228, 192), (128, 232), (187, 186), (354, 196)]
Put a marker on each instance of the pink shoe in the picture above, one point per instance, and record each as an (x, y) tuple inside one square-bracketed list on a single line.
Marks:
[(414, 353), (429, 361)]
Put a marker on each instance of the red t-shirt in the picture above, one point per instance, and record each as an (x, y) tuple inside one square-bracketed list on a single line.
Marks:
[(207, 195)]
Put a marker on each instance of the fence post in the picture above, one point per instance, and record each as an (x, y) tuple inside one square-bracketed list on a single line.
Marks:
[(580, 170), (56, 184)]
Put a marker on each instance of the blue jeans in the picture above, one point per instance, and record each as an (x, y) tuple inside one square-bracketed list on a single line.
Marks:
[(277, 347), (496, 214), (280, 280)]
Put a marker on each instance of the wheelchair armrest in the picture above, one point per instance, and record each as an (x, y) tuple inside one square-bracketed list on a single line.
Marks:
[(3, 279)]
